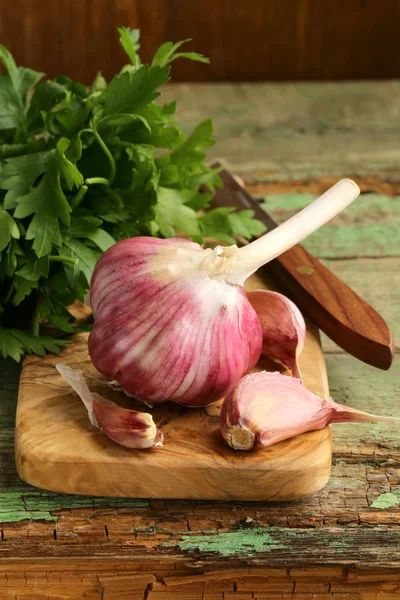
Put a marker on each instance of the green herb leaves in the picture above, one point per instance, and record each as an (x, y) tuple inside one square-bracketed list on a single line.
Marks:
[(15, 343), (14, 86), (167, 53), (81, 168), (131, 91), (8, 229)]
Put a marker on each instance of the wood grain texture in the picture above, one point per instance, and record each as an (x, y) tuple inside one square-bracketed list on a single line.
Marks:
[(381, 290), (57, 449), (246, 41), (333, 306), (123, 579), (299, 134)]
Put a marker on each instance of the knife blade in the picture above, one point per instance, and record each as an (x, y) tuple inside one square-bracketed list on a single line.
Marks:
[(333, 306)]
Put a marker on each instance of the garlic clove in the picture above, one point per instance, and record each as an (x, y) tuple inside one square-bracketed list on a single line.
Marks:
[(283, 326), (266, 408), (126, 427), (172, 320)]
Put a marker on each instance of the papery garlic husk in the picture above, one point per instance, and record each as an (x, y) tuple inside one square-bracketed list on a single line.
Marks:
[(128, 428), (265, 408), (283, 326), (172, 320)]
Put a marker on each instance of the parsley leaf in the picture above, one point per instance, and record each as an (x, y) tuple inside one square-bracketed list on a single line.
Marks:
[(48, 203), (13, 90), (173, 215), (82, 167), (167, 53), (34, 268), (131, 91), (18, 174), (129, 39), (243, 223), (219, 222), (44, 98), (15, 343), (8, 229), (22, 288)]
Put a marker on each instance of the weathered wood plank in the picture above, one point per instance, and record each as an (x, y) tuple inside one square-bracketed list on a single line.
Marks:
[(364, 491), (272, 135), (370, 227), (117, 579), (283, 132), (365, 388)]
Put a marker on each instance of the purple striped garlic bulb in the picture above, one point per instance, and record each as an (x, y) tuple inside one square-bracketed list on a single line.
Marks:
[(172, 320), (165, 329)]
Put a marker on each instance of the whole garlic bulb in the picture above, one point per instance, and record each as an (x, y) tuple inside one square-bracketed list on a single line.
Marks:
[(164, 328), (172, 320)]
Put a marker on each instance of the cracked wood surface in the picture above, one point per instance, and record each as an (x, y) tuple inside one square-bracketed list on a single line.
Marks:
[(343, 542)]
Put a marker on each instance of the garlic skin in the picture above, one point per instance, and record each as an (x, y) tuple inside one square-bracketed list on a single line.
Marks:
[(127, 428), (266, 408), (167, 330), (172, 320), (284, 329)]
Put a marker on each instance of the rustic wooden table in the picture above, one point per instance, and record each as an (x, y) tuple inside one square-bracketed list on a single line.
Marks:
[(287, 142)]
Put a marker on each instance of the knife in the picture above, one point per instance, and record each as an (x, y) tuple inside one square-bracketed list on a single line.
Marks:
[(333, 306)]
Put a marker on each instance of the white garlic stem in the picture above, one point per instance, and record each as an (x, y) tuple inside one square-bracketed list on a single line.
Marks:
[(294, 230)]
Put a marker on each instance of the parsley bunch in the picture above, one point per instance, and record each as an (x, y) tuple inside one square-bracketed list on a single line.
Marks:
[(81, 168)]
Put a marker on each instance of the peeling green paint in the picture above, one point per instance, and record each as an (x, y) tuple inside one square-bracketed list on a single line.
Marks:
[(354, 383), (255, 540), (365, 208), (386, 500), (36, 505), (248, 541)]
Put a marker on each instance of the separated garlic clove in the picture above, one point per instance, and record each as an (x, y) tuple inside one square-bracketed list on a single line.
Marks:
[(172, 320), (283, 326), (126, 427), (266, 408)]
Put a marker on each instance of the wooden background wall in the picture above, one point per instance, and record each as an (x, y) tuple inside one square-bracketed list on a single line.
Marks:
[(247, 40)]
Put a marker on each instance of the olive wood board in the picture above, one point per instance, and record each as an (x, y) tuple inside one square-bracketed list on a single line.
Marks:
[(58, 449)]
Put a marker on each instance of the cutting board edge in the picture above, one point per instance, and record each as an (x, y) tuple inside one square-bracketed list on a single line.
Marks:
[(38, 473), (51, 421)]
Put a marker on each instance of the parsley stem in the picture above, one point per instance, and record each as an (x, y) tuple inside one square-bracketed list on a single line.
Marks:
[(108, 154), (79, 197), (64, 259), (93, 180)]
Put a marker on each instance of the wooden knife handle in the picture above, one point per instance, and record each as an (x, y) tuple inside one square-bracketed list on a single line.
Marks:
[(335, 308)]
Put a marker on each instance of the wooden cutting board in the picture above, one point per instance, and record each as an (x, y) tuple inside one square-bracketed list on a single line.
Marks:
[(57, 449)]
